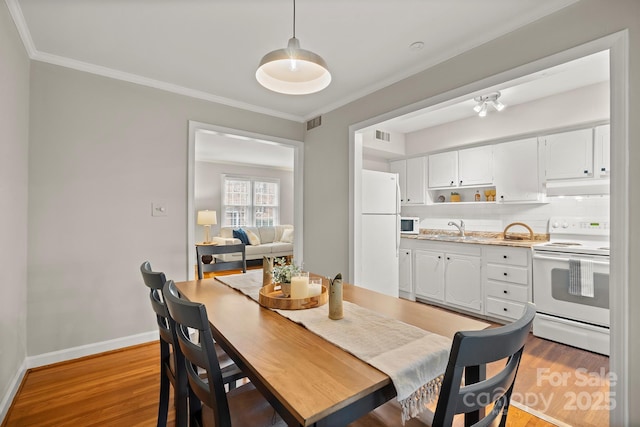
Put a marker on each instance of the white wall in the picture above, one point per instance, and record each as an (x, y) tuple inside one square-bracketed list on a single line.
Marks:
[(208, 187), (14, 144), (572, 108), (101, 151)]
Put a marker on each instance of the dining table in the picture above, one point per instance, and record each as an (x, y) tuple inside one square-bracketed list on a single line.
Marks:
[(307, 379)]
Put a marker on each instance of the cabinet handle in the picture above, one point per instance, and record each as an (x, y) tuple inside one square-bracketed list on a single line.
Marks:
[(586, 172), (501, 197), (504, 256), (504, 273), (505, 292), (460, 182), (505, 309), (603, 169), (448, 258), (439, 257)]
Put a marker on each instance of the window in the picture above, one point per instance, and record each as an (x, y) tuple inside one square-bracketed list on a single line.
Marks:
[(250, 201)]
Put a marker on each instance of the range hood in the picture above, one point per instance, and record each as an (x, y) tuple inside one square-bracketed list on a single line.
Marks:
[(584, 187)]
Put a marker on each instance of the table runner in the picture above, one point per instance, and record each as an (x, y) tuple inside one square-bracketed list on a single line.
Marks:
[(414, 359)]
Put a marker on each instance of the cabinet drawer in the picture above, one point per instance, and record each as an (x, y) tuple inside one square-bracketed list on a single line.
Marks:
[(507, 273), (502, 308), (507, 291), (511, 256)]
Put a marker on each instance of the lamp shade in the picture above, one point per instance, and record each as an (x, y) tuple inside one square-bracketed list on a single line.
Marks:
[(293, 71), (207, 218)]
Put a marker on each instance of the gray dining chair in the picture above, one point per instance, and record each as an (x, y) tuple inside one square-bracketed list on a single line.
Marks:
[(218, 263), (242, 406), (172, 365), (470, 353)]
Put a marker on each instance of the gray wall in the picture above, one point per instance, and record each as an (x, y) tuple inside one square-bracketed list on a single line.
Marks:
[(14, 138), (101, 152), (208, 187), (327, 147)]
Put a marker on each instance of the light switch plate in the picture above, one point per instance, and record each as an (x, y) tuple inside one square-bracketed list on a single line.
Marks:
[(158, 209)]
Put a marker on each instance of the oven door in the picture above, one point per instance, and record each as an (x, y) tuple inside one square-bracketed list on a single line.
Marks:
[(551, 288)]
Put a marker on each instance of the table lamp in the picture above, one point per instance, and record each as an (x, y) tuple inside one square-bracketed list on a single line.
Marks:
[(207, 218)]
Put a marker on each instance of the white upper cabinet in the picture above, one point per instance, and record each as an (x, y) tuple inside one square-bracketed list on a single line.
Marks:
[(411, 173), (415, 181), (475, 166), (462, 168), (516, 171), (602, 147), (569, 155), (443, 169)]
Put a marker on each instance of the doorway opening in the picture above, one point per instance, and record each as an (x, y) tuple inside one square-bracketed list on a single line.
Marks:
[(217, 152)]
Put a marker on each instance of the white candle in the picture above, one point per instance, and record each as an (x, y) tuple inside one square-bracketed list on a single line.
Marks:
[(315, 287), (299, 287)]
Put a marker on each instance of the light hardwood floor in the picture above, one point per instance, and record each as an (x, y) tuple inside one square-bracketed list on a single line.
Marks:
[(121, 388)]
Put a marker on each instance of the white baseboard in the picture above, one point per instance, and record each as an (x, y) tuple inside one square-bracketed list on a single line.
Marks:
[(13, 389), (89, 349)]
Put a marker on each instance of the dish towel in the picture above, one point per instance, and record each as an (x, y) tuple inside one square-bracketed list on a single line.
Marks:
[(414, 359), (581, 277)]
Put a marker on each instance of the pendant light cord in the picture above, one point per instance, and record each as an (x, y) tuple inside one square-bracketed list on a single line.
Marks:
[(294, 19)]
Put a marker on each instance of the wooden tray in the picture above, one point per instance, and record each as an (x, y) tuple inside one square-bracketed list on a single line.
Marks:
[(271, 298)]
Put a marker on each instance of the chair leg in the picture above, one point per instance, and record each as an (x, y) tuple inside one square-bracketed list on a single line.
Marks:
[(195, 409), (180, 403), (163, 405)]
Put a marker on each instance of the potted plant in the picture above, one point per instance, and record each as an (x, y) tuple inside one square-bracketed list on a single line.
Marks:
[(455, 196), (282, 272)]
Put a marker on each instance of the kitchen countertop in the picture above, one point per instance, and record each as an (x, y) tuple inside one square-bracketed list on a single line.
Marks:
[(521, 240)]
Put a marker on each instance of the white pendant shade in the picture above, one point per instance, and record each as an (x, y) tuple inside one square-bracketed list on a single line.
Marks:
[(293, 71)]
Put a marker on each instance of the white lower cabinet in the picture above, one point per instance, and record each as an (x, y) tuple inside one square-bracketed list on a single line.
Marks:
[(508, 281), (492, 281), (429, 275), (406, 273), (449, 274), (463, 285)]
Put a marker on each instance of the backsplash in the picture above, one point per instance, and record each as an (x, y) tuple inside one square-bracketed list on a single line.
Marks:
[(495, 217)]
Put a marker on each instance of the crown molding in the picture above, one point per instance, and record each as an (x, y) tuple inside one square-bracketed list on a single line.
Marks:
[(18, 18)]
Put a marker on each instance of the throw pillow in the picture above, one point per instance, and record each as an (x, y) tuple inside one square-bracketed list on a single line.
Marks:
[(240, 234), (253, 239), (287, 236)]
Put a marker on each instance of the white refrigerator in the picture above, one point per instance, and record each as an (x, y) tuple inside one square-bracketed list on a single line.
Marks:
[(380, 232)]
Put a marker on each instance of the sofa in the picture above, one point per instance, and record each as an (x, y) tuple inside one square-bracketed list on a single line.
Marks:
[(271, 241)]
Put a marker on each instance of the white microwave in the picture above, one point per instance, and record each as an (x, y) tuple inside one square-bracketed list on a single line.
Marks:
[(409, 225)]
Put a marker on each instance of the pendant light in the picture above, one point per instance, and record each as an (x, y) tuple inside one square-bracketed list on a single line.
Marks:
[(292, 70)]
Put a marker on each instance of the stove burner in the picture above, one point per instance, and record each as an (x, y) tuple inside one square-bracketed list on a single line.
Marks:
[(563, 244)]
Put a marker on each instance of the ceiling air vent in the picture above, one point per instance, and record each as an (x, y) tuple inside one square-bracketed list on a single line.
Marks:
[(314, 123), (383, 136)]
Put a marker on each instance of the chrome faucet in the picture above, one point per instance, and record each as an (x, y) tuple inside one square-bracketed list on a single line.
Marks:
[(459, 227)]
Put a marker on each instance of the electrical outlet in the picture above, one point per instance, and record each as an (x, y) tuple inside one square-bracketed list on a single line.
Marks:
[(158, 209)]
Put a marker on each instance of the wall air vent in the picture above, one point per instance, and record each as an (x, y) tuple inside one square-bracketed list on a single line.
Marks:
[(314, 123), (383, 136)]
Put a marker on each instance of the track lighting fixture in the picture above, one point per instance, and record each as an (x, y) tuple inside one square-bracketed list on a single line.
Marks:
[(483, 102)]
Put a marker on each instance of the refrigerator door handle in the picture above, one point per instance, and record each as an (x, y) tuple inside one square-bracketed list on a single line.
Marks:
[(398, 236), (398, 213)]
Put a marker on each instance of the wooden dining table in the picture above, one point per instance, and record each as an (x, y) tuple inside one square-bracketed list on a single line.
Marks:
[(307, 379)]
